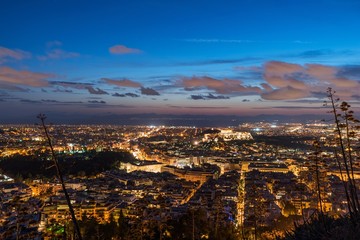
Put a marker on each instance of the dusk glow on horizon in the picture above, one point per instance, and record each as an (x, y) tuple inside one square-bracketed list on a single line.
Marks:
[(100, 58)]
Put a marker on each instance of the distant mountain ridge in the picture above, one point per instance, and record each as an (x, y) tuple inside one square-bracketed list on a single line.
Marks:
[(168, 119)]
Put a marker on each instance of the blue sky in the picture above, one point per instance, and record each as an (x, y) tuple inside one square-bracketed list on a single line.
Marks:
[(93, 58)]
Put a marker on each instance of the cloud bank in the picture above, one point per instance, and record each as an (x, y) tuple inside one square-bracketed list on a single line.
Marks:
[(122, 83), (294, 81), (225, 86), (7, 54), (121, 49), (10, 76)]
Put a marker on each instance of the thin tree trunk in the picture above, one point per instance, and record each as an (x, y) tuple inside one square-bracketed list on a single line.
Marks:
[(343, 153), (42, 117), (318, 184)]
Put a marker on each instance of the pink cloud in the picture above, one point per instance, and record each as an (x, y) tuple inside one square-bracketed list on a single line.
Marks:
[(122, 83), (282, 68), (6, 54), (280, 81), (328, 75), (121, 49), (321, 71), (285, 93), (220, 86), (26, 78), (296, 81), (344, 83), (266, 86), (281, 74)]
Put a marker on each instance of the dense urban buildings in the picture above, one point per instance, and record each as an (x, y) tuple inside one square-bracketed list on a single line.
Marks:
[(256, 177)]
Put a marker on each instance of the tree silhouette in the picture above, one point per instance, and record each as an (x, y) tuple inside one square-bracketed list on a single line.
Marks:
[(345, 124), (42, 118)]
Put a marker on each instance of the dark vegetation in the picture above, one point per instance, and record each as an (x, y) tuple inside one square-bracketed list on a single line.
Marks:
[(194, 224), (210, 131), (321, 225), (80, 164)]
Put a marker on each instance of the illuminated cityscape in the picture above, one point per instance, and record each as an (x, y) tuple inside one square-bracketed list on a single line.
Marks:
[(255, 172), (179, 120)]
